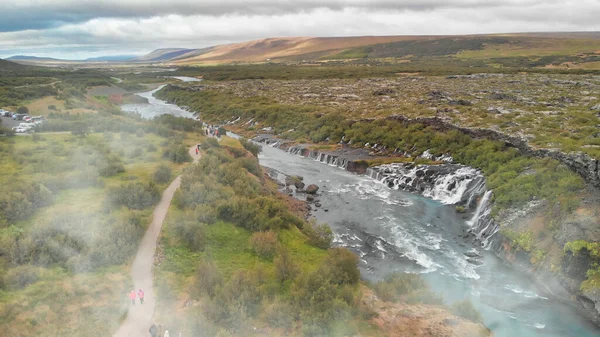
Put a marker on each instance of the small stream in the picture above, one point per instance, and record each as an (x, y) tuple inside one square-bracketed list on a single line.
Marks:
[(392, 230)]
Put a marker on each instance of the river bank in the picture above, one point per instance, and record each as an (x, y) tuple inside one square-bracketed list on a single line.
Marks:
[(388, 243), (454, 185)]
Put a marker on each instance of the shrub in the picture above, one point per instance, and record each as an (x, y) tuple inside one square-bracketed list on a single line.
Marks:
[(396, 285), (163, 174), (466, 310), (22, 110), (205, 214), (252, 166), (134, 195), (192, 234), (264, 244), (342, 266), (117, 243), (319, 236), (253, 148), (285, 267), (22, 276), (112, 165), (244, 290), (279, 315), (177, 153), (424, 296), (20, 201), (208, 278), (210, 143), (237, 152), (151, 148)]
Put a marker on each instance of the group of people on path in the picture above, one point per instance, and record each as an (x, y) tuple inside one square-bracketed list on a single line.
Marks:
[(139, 294), (156, 332), (212, 131)]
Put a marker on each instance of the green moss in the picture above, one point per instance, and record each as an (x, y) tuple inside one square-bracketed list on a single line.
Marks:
[(520, 240), (576, 246)]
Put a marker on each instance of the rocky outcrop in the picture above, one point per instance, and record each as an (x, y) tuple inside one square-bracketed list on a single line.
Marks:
[(584, 165), (312, 189), (449, 183)]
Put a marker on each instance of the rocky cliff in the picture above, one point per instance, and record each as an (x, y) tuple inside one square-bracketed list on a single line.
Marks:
[(584, 165)]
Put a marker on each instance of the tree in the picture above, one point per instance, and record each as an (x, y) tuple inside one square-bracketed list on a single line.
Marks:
[(22, 110)]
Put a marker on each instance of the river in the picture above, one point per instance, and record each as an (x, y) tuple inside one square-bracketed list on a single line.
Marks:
[(397, 231), (156, 107)]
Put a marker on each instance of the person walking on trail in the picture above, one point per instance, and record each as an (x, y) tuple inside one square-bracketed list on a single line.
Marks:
[(196, 151), (132, 297), (141, 296), (167, 333), (153, 330)]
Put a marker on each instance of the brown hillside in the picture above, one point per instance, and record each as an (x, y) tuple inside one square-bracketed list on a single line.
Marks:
[(270, 48)]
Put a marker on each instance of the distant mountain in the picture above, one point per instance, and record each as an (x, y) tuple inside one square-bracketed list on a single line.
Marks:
[(33, 59), (162, 54), (555, 47), (114, 58), (30, 58), (8, 65)]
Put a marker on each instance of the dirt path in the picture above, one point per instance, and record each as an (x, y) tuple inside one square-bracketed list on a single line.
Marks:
[(139, 317)]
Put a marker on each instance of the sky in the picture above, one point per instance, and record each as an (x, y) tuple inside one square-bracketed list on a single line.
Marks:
[(77, 29)]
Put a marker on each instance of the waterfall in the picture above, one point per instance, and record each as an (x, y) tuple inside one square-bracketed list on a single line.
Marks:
[(483, 204), (482, 224), (448, 183)]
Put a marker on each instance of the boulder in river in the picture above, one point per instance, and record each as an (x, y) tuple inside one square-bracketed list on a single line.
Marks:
[(312, 189), (310, 198)]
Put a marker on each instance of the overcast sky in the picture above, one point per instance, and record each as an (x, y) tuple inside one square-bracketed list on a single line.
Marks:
[(75, 29)]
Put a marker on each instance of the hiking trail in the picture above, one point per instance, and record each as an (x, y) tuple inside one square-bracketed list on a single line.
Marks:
[(139, 316)]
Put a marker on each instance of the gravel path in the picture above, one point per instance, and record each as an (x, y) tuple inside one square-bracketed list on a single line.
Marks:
[(139, 317)]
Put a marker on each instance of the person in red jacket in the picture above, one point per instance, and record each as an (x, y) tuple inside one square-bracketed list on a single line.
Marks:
[(132, 297), (141, 296)]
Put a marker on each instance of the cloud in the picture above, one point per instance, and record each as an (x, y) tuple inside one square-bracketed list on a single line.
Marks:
[(129, 26), (36, 14)]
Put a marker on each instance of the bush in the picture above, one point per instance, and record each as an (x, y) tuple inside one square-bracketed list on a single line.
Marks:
[(112, 165), (20, 201), (279, 315), (134, 195), (285, 267), (192, 234), (22, 276), (205, 214), (22, 110), (252, 166), (177, 153), (208, 278), (396, 285), (151, 148), (264, 244), (210, 143), (163, 174), (319, 236), (342, 266), (244, 291), (424, 296), (466, 310), (253, 148), (117, 244)]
